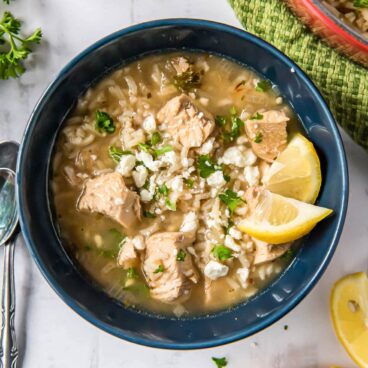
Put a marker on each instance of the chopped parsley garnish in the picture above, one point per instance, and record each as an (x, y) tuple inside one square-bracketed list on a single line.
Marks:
[(132, 273), (159, 269), (258, 138), (206, 166), (116, 153), (231, 199), (187, 81), (286, 327), (170, 205), (221, 252), (227, 228), (232, 126), (181, 255), (149, 214), (104, 122), (156, 138), (145, 147), (361, 3), (15, 48), (288, 255), (220, 120), (160, 151), (220, 362), (263, 86), (163, 189), (189, 183), (257, 116)]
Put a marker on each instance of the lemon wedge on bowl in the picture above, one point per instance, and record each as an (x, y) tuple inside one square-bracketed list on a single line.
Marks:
[(296, 173), (349, 313), (277, 219)]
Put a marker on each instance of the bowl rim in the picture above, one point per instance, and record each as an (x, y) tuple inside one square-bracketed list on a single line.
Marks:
[(215, 341)]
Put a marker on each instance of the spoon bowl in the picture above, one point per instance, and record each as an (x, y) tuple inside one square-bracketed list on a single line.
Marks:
[(8, 206)]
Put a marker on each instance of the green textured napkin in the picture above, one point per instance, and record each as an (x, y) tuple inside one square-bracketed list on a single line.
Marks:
[(343, 83)]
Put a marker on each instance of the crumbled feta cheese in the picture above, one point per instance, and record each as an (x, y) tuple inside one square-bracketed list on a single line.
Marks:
[(251, 175), (140, 176), (177, 184), (233, 156), (138, 242), (149, 124), (249, 157), (126, 165), (146, 196), (214, 270), (169, 158), (147, 160), (235, 233), (230, 243), (207, 146), (190, 223), (243, 274), (216, 179)]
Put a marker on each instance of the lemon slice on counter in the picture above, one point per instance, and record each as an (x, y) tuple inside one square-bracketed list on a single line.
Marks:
[(349, 313), (296, 173), (277, 219)]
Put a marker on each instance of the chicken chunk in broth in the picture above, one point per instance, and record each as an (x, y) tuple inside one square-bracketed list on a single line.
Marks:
[(152, 171)]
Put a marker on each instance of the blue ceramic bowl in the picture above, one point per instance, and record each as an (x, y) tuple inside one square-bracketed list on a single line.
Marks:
[(76, 288)]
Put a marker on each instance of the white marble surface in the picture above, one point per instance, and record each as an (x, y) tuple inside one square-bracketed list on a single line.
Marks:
[(49, 333)]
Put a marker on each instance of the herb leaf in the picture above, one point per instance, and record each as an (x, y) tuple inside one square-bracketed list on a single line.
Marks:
[(104, 122), (181, 255), (187, 81), (257, 116), (189, 183), (220, 120), (258, 138), (156, 138), (288, 255), (221, 252), (116, 153), (132, 273), (263, 86), (206, 166), (231, 199), (164, 190), (160, 151), (16, 48), (170, 205), (220, 362), (149, 214), (159, 269)]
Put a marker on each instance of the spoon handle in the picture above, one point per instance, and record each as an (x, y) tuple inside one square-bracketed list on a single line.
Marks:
[(8, 347)]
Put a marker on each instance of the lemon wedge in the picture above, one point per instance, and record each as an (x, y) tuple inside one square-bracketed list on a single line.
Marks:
[(277, 219), (296, 173), (349, 313)]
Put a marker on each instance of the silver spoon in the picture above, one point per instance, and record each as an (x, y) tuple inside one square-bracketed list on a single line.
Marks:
[(8, 159), (8, 227)]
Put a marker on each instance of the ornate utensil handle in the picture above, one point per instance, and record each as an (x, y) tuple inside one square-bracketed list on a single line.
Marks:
[(8, 347)]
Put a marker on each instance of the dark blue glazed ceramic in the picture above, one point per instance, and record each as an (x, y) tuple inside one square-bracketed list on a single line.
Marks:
[(75, 287)]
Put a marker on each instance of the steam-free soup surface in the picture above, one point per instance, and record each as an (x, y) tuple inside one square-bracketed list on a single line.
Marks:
[(152, 171)]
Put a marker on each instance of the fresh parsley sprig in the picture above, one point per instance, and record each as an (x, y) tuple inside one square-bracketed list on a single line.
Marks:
[(16, 48)]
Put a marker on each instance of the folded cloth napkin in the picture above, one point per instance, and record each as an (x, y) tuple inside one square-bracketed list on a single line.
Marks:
[(343, 83)]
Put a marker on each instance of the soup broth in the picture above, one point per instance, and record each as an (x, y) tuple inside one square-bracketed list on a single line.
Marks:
[(193, 184)]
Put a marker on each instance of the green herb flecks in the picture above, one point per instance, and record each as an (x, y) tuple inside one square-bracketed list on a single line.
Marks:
[(160, 151), (257, 116), (104, 122), (181, 255), (132, 273), (170, 205), (263, 86), (220, 120), (164, 190), (189, 183), (221, 252), (116, 153), (206, 166), (220, 362), (187, 81), (156, 138), (159, 269), (288, 255), (149, 214), (258, 138), (15, 48), (231, 199), (232, 126)]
